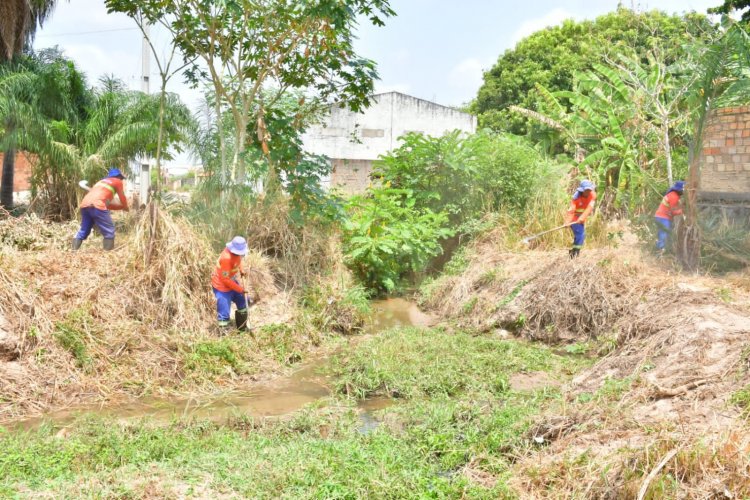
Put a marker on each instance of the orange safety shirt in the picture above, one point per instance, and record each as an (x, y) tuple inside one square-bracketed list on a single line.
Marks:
[(669, 206), (103, 192), (581, 207), (228, 266)]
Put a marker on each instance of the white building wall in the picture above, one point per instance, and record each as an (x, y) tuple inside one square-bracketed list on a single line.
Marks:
[(345, 135)]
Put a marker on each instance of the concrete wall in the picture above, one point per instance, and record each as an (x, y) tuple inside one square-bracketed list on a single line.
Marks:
[(354, 140), (724, 190), (352, 176)]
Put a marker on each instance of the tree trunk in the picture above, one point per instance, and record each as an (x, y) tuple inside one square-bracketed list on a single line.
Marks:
[(667, 150), (688, 241), (160, 139), (6, 184)]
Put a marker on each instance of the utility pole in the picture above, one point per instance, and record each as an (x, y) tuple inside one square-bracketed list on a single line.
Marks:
[(145, 179)]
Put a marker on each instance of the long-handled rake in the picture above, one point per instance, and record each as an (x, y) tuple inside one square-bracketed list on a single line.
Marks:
[(528, 240)]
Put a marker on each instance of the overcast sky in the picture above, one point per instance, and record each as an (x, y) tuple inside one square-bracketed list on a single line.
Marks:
[(433, 49)]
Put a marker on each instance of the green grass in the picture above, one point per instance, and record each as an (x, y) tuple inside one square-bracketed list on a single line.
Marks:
[(215, 357), (71, 334), (457, 411), (314, 455), (741, 399), (413, 362)]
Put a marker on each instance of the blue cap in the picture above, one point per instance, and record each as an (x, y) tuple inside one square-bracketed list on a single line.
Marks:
[(678, 186), (586, 184), (238, 246), (115, 172)]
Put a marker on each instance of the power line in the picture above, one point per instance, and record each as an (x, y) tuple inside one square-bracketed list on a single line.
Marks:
[(78, 33)]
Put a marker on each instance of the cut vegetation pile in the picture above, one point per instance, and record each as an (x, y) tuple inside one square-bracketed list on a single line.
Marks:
[(544, 295), (673, 385), (94, 326)]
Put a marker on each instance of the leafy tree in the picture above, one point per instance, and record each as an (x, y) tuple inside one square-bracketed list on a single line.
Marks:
[(246, 47), (19, 20), (730, 6), (722, 81), (78, 131), (118, 126), (624, 117), (301, 172), (554, 56)]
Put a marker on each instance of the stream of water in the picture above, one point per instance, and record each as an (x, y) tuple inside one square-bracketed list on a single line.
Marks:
[(279, 397)]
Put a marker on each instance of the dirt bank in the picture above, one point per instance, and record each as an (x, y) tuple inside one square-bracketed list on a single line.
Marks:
[(672, 357), (101, 328)]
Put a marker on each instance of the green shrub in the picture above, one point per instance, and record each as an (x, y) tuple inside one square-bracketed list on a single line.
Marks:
[(462, 175), (387, 237)]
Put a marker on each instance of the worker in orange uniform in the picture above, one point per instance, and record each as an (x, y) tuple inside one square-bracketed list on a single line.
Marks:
[(668, 209), (580, 209), (226, 286), (95, 208)]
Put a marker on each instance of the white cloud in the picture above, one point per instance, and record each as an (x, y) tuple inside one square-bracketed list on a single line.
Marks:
[(551, 18), (96, 62)]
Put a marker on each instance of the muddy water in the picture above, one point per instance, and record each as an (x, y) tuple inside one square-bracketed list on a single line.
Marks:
[(279, 397)]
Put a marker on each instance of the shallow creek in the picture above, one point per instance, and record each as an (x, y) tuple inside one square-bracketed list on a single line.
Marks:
[(278, 397)]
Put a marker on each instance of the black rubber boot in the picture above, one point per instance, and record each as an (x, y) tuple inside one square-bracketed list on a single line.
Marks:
[(240, 320), (108, 243), (574, 252), (77, 243)]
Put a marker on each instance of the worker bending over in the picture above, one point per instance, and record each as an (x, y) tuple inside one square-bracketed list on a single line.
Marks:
[(580, 209), (95, 208), (668, 209), (226, 286)]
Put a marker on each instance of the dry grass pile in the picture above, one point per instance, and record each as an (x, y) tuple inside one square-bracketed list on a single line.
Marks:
[(545, 295), (30, 232), (670, 464), (92, 326), (678, 383), (677, 375), (171, 264), (300, 254)]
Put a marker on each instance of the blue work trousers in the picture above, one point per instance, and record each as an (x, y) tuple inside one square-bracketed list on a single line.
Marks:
[(103, 220), (224, 303), (664, 226), (579, 235)]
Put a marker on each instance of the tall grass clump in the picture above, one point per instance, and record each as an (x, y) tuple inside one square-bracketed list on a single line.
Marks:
[(299, 251), (173, 263)]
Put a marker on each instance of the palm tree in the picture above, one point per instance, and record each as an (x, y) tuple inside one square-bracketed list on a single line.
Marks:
[(19, 20), (118, 126)]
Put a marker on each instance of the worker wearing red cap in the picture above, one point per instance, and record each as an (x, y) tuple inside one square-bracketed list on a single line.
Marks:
[(95, 208)]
